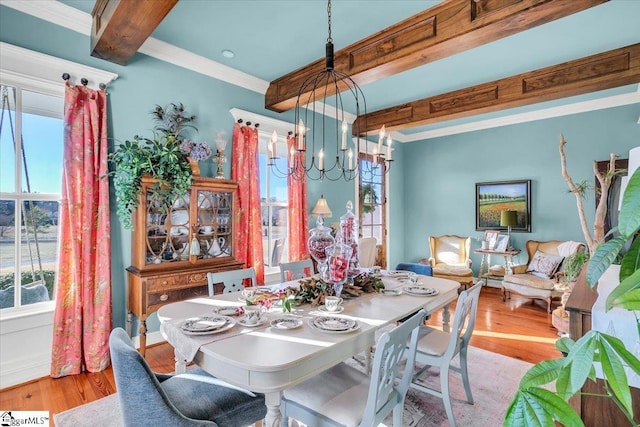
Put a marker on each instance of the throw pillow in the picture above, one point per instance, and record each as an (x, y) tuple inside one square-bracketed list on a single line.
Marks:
[(544, 265)]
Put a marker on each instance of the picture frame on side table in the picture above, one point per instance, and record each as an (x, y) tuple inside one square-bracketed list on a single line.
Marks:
[(502, 243), (491, 237), (494, 197)]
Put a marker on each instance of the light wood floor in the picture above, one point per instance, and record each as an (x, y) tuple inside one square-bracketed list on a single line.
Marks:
[(516, 328)]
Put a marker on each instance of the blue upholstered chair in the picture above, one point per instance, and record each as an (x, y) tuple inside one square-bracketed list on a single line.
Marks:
[(345, 396), (193, 399), (423, 269)]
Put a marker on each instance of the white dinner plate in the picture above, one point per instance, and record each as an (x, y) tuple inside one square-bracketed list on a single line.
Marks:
[(327, 327), (230, 324), (391, 292), (286, 323), (227, 311), (420, 291), (324, 309), (252, 325), (204, 323), (333, 324)]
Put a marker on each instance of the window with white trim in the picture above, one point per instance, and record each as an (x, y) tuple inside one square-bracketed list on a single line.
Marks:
[(275, 206), (31, 143)]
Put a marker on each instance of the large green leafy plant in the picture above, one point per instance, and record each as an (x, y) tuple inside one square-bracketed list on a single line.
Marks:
[(534, 405), (160, 157)]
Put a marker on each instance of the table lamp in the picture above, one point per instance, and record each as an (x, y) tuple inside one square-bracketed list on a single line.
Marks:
[(321, 208), (508, 219)]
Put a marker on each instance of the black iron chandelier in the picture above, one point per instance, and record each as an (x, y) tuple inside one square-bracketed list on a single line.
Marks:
[(321, 130)]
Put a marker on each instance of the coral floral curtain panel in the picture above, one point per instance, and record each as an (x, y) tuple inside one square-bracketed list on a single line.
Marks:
[(82, 319), (244, 170), (298, 220)]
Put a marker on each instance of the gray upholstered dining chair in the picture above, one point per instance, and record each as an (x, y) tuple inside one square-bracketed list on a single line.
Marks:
[(437, 348), (232, 279), (296, 270), (192, 399), (346, 396)]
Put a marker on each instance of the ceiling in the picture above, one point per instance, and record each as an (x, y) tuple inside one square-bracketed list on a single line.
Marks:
[(273, 38)]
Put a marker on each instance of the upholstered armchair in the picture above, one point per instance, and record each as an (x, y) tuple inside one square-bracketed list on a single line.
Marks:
[(450, 258), (537, 279)]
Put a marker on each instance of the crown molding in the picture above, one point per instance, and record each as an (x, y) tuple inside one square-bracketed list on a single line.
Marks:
[(66, 16), (54, 12), (69, 17), (542, 114), (183, 58), (45, 70)]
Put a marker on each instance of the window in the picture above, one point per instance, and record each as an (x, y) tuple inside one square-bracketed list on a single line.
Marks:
[(273, 196), (31, 143), (373, 202)]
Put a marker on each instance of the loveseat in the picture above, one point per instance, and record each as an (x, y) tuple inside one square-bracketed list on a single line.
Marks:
[(538, 278)]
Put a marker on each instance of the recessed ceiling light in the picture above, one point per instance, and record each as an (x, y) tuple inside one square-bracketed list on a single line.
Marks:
[(228, 53)]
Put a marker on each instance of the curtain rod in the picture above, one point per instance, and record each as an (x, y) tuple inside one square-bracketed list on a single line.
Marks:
[(84, 81), (248, 123)]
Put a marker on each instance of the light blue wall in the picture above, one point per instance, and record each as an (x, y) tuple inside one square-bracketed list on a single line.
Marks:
[(142, 84), (432, 183), (440, 175)]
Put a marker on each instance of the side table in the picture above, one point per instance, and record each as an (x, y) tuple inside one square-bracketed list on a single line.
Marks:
[(486, 260)]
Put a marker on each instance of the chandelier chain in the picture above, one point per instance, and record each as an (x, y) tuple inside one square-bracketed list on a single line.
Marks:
[(329, 39)]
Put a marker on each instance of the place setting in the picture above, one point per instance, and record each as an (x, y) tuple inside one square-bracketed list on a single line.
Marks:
[(334, 324), (420, 291), (206, 325), (332, 304), (254, 316), (286, 322)]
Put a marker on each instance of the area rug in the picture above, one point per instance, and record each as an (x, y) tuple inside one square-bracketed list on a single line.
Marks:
[(494, 380)]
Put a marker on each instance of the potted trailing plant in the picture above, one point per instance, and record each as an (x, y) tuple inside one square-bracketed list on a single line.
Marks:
[(534, 405), (164, 157)]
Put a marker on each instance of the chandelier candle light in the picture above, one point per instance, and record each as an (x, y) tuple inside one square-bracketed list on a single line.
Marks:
[(312, 108)]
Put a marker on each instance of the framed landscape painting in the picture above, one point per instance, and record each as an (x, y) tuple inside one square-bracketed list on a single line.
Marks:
[(495, 197)]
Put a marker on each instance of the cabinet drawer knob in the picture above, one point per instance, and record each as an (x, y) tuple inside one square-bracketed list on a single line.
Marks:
[(165, 283), (164, 297)]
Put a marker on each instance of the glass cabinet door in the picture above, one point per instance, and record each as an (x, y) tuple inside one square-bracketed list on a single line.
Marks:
[(215, 223), (167, 230)]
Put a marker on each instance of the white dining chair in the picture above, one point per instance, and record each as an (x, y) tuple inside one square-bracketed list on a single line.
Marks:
[(345, 396), (367, 251), (437, 348), (232, 279), (296, 270)]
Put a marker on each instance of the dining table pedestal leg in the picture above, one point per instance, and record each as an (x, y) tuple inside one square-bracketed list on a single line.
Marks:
[(274, 416)]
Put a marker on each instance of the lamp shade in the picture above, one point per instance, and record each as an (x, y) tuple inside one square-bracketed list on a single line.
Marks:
[(321, 208), (508, 218)]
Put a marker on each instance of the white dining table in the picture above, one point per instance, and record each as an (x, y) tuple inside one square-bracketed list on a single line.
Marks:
[(269, 360)]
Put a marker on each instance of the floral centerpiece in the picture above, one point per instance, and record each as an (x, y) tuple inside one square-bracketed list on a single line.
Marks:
[(314, 290), (164, 157)]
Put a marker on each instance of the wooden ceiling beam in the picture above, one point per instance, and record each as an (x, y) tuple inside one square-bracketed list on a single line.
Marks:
[(448, 28), (606, 70), (121, 26)]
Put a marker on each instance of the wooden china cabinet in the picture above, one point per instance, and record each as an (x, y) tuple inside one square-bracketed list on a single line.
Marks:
[(174, 247)]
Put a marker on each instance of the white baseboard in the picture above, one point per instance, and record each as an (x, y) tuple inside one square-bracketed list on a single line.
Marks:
[(25, 369)]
